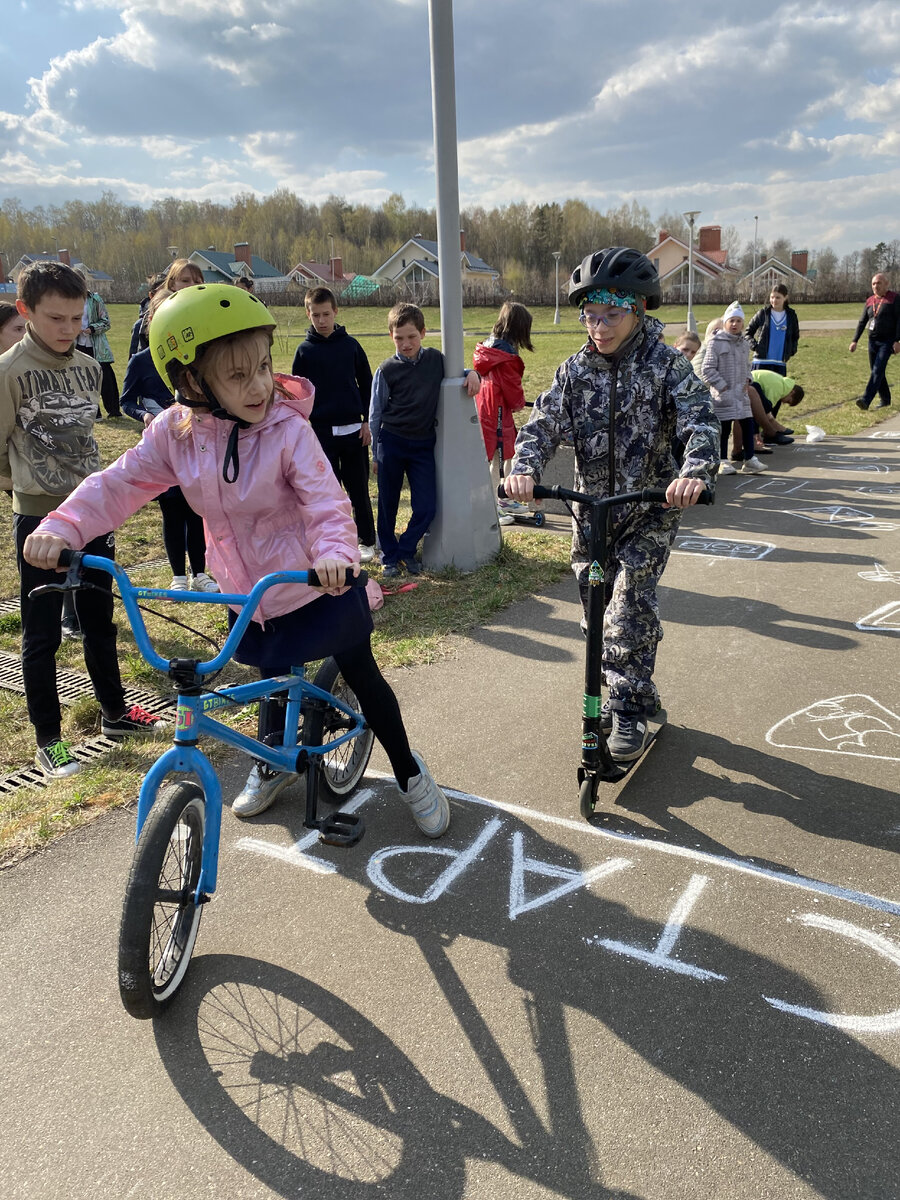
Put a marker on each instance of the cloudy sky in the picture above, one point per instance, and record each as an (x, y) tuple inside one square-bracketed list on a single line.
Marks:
[(786, 110)]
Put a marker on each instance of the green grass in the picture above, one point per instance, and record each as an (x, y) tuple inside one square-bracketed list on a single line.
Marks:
[(412, 628)]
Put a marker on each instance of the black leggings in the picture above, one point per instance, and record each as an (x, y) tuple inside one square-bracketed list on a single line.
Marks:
[(182, 533), (746, 424), (377, 703)]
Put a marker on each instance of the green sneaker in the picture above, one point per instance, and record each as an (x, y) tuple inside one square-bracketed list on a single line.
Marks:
[(56, 761)]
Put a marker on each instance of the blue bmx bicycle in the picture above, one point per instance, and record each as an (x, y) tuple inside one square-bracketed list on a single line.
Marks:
[(175, 864)]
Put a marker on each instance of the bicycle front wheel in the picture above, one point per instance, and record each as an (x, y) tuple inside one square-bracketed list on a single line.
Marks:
[(160, 918), (343, 767)]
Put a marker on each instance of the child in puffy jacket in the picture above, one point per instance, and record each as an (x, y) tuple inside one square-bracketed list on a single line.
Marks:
[(240, 444), (501, 368), (726, 368)]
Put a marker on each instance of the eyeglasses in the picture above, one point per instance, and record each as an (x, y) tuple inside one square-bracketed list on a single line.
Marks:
[(610, 319)]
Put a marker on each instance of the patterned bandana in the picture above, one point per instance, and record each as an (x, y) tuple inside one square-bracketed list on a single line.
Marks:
[(616, 298)]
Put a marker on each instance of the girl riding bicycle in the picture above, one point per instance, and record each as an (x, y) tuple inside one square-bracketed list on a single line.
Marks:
[(239, 444)]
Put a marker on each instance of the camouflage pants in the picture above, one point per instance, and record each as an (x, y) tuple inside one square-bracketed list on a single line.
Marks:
[(631, 626)]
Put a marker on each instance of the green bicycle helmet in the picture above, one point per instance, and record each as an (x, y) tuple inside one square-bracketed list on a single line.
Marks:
[(190, 320), (620, 269), (196, 315)]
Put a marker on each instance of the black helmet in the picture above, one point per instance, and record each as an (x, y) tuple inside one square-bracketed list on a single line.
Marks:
[(618, 268)]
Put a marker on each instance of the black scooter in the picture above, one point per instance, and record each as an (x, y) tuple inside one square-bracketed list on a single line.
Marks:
[(597, 764)]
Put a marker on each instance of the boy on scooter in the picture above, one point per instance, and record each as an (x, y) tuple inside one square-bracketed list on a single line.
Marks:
[(623, 399)]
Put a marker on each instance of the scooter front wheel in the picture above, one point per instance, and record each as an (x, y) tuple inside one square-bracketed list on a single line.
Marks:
[(588, 796)]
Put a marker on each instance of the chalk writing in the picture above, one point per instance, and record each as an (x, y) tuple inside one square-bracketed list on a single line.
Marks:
[(877, 1023), (712, 547), (661, 957)]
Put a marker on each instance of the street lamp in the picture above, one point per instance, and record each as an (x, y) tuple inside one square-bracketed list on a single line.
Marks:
[(557, 254), (691, 323)]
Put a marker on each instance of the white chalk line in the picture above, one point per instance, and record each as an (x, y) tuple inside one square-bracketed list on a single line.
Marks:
[(295, 855)]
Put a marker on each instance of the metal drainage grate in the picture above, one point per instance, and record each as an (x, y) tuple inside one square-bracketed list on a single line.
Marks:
[(72, 685), (33, 776)]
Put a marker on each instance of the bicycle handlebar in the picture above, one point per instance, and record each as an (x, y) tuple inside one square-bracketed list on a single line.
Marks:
[(644, 496), (74, 561)]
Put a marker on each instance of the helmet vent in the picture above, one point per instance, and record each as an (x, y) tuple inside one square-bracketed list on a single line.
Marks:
[(225, 304)]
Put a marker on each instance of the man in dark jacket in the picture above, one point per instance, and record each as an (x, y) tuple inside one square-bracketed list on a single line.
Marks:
[(337, 367), (881, 316)]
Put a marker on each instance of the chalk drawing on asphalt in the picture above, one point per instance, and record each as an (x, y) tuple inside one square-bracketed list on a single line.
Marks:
[(879, 574), (713, 547), (841, 514), (883, 620), (855, 725)]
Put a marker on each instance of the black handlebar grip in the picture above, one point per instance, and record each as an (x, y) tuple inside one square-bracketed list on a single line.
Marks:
[(65, 558), (350, 580)]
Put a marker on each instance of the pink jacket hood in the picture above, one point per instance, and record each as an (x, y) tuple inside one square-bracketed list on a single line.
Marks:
[(285, 510)]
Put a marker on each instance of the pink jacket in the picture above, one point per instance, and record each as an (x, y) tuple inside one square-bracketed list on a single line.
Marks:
[(284, 511)]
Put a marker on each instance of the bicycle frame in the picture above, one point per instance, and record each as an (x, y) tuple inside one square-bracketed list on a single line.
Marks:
[(194, 704)]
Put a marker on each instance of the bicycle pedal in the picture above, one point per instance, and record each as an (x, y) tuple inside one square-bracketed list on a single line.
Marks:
[(341, 829)]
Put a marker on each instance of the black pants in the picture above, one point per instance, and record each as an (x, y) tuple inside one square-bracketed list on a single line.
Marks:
[(377, 703), (109, 385), (41, 636), (879, 357), (182, 533), (746, 424), (349, 460)]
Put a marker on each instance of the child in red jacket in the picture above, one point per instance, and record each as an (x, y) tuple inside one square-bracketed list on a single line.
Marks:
[(500, 366)]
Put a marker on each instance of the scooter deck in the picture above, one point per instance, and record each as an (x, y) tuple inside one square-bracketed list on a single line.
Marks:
[(591, 786)]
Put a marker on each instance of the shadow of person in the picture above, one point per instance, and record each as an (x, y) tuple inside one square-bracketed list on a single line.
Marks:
[(764, 618), (825, 805), (708, 1017)]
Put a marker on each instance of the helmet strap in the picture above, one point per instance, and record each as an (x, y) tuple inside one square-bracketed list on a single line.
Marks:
[(231, 466)]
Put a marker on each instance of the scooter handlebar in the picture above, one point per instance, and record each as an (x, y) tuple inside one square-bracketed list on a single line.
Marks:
[(645, 496)]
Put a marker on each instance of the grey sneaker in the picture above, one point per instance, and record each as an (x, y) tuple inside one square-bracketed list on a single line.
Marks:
[(56, 761), (260, 790), (426, 801), (752, 466), (606, 719), (629, 736)]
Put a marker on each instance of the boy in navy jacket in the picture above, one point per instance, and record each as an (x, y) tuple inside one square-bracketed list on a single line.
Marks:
[(337, 367)]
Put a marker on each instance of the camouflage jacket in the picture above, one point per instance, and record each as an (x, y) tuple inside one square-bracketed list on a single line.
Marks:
[(657, 399)]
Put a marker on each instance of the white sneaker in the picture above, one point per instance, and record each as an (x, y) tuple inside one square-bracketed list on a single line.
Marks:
[(179, 583), (726, 467), (366, 553), (260, 790), (505, 518), (426, 801), (752, 466), (201, 582)]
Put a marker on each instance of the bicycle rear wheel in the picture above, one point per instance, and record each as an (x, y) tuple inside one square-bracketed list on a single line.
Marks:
[(342, 768), (160, 918)]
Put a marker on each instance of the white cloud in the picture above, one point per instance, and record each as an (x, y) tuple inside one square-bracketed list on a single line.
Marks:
[(733, 112)]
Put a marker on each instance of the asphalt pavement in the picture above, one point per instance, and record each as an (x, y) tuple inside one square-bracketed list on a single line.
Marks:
[(696, 997)]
